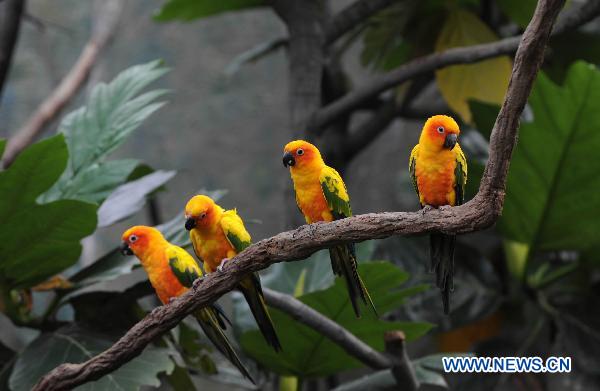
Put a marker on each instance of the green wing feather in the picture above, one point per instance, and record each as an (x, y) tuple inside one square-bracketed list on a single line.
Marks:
[(335, 193), (239, 238), (460, 175), (183, 266), (343, 257), (234, 230), (412, 168)]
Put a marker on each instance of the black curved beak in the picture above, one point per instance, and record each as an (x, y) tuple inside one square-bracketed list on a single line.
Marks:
[(190, 223), (288, 159), (125, 250), (450, 141)]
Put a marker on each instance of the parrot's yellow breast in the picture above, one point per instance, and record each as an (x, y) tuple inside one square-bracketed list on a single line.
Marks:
[(436, 178), (310, 198), (164, 282), (212, 246)]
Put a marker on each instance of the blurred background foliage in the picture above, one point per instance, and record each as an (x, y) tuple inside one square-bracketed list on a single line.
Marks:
[(527, 286)]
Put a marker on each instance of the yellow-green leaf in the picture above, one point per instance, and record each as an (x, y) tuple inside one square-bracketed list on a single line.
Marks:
[(484, 81)]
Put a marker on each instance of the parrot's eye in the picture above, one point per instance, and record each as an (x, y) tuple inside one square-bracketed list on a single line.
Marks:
[(300, 152), (202, 215), (133, 238), (440, 129)]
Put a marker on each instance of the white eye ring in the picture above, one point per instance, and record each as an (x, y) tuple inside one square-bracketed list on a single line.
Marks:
[(440, 129), (202, 215), (300, 152), (133, 238)]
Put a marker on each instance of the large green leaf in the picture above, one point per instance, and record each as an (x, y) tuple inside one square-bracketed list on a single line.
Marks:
[(39, 240), (92, 132), (459, 83), (195, 9), (129, 198), (384, 44), (551, 200), (306, 353), (75, 345)]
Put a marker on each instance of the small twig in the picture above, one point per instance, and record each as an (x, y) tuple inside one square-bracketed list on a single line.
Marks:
[(330, 329), (67, 88), (460, 55), (10, 23)]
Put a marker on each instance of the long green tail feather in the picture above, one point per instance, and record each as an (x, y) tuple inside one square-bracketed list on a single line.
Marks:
[(442, 263), (344, 264), (252, 291), (207, 318)]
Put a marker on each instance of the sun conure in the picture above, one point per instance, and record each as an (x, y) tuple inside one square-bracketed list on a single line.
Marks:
[(438, 169), (218, 235), (321, 195), (172, 271)]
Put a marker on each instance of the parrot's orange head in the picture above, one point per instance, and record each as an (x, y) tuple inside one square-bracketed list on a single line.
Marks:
[(138, 238), (300, 153), (199, 212), (440, 132)]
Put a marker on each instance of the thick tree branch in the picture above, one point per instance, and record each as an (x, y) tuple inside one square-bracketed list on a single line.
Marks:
[(573, 17), (330, 329), (481, 212), (68, 87), (10, 23), (351, 16), (304, 20)]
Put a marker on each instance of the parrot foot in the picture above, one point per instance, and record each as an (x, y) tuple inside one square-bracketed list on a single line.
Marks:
[(444, 208), (222, 264), (172, 299), (426, 208)]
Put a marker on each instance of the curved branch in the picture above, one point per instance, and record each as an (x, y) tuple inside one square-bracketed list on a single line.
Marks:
[(68, 87), (573, 17), (330, 329), (479, 213)]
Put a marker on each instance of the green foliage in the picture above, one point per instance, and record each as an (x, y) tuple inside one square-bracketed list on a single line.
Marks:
[(76, 345), (569, 47), (112, 113), (520, 11), (309, 354), (459, 83), (384, 46), (39, 240), (548, 201), (401, 31), (196, 9), (426, 370), (130, 197), (484, 116)]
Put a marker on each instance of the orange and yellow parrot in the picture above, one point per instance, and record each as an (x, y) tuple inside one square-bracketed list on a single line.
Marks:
[(321, 196), (438, 169), (218, 235), (172, 271)]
